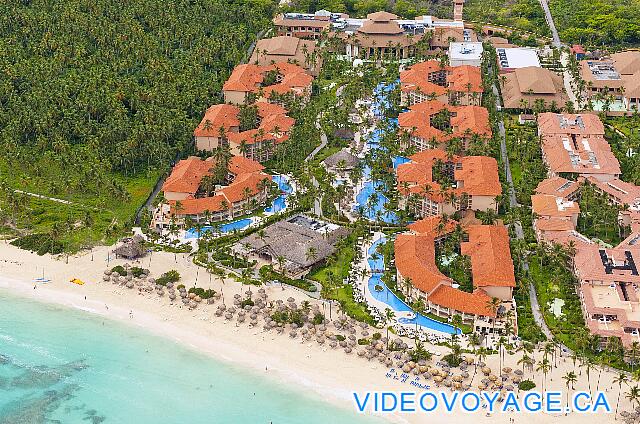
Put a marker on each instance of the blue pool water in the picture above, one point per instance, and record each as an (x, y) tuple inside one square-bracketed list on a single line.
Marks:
[(60, 365), (280, 204), (240, 224), (399, 160), (394, 302), (369, 188)]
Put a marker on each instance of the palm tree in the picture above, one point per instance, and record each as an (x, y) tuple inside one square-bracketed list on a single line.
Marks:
[(633, 395), (620, 379), (544, 366), (389, 316), (570, 379)]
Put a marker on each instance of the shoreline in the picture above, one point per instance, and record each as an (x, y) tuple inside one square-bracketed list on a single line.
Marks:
[(143, 321), (329, 374)]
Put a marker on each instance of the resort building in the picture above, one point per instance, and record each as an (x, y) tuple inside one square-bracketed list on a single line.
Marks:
[(305, 25), (292, 246), (617, 76), (419, 277), (619, 193), (559, 187), (283, 49), (554, 217), (244, 187), (431, 80), (434, 183), (220, 126), (512, 58), (465, 53), (609, 293), (384, 35), (248, 82), (525, 87), (574, 145), (431, 124)]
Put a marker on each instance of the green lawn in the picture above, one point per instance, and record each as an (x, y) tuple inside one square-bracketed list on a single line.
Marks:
[(333, 273)]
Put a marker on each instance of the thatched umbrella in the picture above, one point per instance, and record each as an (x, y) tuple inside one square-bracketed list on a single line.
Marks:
[(457, 385), (482, 386), (507, 370), (438, 379), (486, 370)]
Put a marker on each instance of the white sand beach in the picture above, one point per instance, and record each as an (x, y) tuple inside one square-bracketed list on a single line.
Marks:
[(331, 374)]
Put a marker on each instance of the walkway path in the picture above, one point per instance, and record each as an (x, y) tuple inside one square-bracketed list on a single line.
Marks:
[(40, 196), (317, 202), (513, 202), (552, 25)]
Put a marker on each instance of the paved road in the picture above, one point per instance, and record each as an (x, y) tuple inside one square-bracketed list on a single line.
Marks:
[(552, 25)]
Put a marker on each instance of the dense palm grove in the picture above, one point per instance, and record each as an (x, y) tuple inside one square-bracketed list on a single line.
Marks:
[(97, 97), (593, 23)]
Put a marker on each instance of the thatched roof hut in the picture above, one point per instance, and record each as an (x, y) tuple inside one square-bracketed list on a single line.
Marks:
[(131, 247)]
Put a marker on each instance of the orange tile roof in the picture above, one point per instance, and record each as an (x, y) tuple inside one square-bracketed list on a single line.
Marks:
[(554, 224), (474, 175), (478, 176), (249, 78), (545, 205), (585, 124), (464, 120), (417, 78), (456, 78), (241, 165), (469, 303), (491, 264), (557, 186), (465, 78), (430, 226), (236, 191), (415, 259), (197, 206), (216, 117), (186, 175)]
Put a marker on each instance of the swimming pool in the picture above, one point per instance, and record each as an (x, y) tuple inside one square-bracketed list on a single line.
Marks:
[(280, 203), (240, 224), (389, 298)]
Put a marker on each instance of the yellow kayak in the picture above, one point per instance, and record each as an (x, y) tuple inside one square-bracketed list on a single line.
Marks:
[(76, 281)]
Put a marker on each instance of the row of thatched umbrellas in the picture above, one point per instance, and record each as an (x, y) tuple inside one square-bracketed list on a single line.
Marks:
[(345, 335)]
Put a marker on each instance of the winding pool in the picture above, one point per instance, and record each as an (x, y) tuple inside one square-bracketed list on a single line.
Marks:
[(386, 296)]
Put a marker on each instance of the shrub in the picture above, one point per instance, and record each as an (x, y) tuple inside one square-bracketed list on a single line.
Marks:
[(39, 243), (136, 271), (378, 288), (119, 269), (168, 277), (246, 302), (180, 286), (204, 294), (340, 337), (318, 318), (452, 360), (376, 336), (364, 342), (526, 385)]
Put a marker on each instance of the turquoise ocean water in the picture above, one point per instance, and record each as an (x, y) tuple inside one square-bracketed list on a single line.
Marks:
[(59, 365)]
